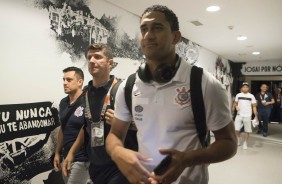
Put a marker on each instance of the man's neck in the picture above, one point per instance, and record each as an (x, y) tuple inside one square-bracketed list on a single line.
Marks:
[(73, 97), (154, 63), (98, 82)]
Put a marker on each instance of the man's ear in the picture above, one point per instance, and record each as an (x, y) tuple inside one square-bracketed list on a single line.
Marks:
[(80, 81), (111, 63), (177, 37)]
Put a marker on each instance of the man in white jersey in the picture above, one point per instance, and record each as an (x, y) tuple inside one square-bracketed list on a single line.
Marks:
[(245, 103), (162, 112)]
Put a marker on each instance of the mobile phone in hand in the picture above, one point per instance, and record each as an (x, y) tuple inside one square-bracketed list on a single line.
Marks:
[(162, 166)]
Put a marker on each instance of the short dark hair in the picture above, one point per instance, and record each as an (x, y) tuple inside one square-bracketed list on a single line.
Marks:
[(77, 71), (169, 15), (99, 47)]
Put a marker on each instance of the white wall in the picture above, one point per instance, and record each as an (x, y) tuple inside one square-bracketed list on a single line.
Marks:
[(31, 69)]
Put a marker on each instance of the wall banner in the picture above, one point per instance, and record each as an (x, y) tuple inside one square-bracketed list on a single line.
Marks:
[(24, 133), (262, 68)]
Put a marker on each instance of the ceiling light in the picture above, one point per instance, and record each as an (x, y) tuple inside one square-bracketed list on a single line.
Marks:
[(213, 8), (241, 38), (256, 53)]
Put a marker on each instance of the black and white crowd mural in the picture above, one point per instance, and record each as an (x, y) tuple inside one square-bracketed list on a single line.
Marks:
[(76, 28), (222, 74), (39, 38), (188, 50)]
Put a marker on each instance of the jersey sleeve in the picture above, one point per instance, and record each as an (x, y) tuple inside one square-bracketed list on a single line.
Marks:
[(121, 109), (236, 98), (253, 99), (217, 104)]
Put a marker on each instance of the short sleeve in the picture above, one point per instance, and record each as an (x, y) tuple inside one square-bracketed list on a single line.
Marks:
[(121, 109), (218, 112), (236, 98)]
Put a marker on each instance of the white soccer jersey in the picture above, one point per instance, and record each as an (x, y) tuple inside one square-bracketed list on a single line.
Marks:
[(164, 117), (245, 101)]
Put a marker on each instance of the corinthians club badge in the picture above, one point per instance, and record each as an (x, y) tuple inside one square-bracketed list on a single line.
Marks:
[(183, 96)]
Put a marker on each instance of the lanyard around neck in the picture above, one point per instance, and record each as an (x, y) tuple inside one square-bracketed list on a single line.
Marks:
[(106, 103)]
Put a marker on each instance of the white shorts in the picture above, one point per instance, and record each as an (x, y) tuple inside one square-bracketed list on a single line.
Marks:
[(246, 121)]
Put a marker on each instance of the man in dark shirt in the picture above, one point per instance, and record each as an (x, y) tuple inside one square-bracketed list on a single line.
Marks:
[(264, 101), (102, 169), (72, 119)]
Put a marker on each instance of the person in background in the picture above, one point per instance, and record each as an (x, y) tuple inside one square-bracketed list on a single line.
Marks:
[(71, 125), (264, 101), (162, 112), (245, 103), (102, 169)]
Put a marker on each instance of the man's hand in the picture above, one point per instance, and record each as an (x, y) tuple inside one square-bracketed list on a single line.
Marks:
[(57, 162), (129, 163), (109, 116), (174, 169), (67, 165)]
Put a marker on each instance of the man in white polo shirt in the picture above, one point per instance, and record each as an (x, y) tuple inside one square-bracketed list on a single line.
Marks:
[(245, 103), (162, 111)]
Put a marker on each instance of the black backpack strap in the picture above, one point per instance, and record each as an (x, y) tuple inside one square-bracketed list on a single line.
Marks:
[(198, 106), (128, 91), (113, 94), (130, 141)]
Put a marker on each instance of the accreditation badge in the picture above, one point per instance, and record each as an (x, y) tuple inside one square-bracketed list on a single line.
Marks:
[(97, 134)]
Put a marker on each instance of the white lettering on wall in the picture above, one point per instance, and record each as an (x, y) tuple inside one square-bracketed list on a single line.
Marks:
[(262, 68)]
